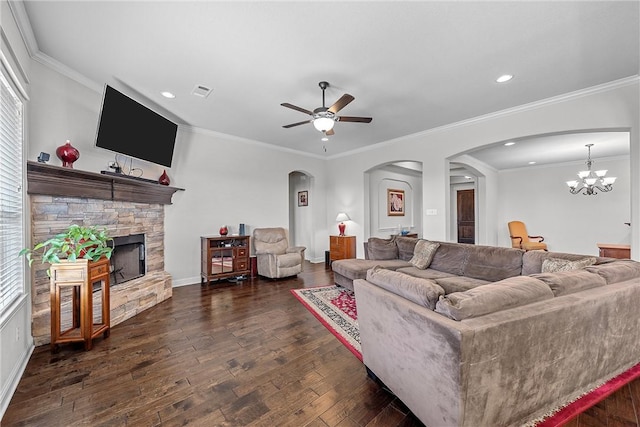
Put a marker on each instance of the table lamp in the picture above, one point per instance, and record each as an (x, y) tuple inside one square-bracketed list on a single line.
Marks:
[(340, 218)]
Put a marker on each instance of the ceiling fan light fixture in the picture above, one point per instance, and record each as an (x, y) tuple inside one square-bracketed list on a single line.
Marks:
[(323, 124)]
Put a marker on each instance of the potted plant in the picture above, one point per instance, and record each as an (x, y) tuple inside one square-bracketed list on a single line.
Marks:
[(78, 242)]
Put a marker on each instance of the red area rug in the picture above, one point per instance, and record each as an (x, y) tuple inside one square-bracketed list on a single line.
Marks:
[(335, 308)]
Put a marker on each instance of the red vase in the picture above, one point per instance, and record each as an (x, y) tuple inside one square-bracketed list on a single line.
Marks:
[(68, 154), (341, 228), (164, 178), (224, 230)]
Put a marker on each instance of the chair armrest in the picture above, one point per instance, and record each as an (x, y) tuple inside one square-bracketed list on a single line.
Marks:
[(537, 237), (519, 239), (296, 249)]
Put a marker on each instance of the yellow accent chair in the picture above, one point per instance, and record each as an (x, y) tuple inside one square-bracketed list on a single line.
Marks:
[(520, 238)]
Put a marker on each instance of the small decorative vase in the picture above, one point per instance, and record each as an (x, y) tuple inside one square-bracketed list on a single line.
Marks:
[(224, 230), (68, 154), (342, 227), (164, 178)]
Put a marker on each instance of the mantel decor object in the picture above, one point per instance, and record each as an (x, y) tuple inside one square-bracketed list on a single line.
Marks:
[(68, 154), (224, 230), (164, 178)]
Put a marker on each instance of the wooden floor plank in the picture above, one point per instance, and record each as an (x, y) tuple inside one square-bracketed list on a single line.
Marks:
[(227, 354)]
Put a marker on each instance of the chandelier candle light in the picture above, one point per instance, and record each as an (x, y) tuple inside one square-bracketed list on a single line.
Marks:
[(591, 181), (340, 218)]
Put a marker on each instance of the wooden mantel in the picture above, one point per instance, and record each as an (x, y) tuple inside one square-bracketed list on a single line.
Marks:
[(58, 181)]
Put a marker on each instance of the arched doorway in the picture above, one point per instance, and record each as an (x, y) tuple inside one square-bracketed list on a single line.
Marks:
[(301, 218)]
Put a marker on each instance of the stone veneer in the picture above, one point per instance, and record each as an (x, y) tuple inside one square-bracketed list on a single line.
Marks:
[(51, 215)]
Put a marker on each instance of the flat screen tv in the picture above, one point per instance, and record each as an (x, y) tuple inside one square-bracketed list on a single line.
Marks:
[(128, 127)]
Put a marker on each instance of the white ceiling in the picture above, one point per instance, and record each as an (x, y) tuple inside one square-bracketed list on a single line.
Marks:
[(412, 66)]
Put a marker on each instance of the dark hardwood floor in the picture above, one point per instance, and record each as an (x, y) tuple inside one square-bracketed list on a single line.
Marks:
[(246, 354)]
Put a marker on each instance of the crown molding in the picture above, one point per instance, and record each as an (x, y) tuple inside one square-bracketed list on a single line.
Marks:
[(202, 131)]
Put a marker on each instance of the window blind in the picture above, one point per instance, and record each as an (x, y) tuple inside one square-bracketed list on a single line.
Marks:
[(11, 196)]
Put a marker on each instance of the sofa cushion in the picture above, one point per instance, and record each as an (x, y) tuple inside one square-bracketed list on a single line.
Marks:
[(568, 282), (532, 260), (493, 263), (459, 283), (553, 265), (357, 268), (405, 246), (382, 248), (617, 271), (451, 258), (501, 295), (427, 273), (421, 291), (423, 253)]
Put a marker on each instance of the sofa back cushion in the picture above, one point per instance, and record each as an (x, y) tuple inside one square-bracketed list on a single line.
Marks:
[(406, 246), (617, 271), (378, 248), (532, 260), (480, 262), (424, 292), (568, 282), (493, 263), (501, 295), (451, 258)]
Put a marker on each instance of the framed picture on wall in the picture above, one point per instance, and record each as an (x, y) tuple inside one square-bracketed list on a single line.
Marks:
[(303, 198), (395, 202)]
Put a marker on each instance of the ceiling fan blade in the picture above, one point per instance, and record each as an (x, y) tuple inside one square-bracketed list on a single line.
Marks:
[(341, 103), (296, 124), (295, 107), (355, 119), (330, 132)]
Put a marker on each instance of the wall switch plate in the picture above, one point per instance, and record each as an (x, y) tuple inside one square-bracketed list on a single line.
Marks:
[(432, 211)]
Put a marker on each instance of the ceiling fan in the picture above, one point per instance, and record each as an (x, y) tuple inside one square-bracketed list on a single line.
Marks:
[(324, 118)]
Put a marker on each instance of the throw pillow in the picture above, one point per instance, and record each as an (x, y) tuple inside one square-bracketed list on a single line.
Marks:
[(423, 253), (553, 265)]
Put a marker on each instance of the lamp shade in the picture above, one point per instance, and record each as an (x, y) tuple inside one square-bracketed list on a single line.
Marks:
[(342, 217)]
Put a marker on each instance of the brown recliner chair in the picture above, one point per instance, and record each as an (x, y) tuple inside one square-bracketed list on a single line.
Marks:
[(274, 256), (520, 238)]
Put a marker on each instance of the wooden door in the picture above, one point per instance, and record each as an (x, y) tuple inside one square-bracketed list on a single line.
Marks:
[(466, 216)]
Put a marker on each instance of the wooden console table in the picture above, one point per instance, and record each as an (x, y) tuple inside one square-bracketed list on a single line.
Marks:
[(81, 278), (223, 257), (614, 251)]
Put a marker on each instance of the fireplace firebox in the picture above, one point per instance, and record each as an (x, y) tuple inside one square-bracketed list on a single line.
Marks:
[(127, 259)]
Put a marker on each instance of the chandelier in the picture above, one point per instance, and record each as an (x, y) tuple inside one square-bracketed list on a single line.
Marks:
[(591, 181)]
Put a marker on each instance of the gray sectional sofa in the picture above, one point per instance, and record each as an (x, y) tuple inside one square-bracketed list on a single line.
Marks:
[(483, 337)]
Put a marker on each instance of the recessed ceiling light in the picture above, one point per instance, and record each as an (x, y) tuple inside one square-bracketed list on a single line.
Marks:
[(504, 78), (509, 144), (167, 94), (532, 163)]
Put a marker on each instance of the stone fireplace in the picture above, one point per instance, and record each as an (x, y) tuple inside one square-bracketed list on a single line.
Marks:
[(53, 213)]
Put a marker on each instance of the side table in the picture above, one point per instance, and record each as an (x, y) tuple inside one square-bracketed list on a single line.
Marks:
[(342, 247), (80, 278)]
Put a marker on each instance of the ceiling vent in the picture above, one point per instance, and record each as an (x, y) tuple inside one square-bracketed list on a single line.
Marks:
[(201, 91)]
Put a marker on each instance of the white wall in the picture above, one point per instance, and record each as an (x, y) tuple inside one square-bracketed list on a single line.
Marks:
[(383, 225), (539, 197), (613, 106)]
